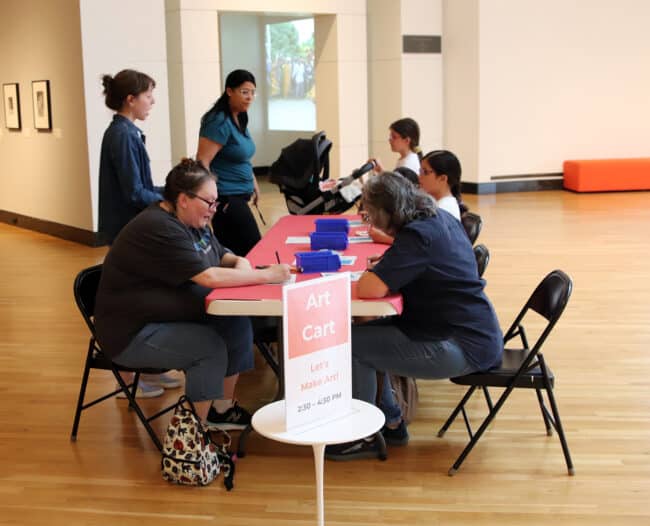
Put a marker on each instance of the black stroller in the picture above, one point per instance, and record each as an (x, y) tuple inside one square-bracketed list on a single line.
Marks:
[(299, 172)]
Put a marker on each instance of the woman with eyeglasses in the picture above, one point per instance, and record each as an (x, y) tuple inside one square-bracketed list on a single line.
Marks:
[(448, 326), (226, 148), (440, 177), (150, 306)]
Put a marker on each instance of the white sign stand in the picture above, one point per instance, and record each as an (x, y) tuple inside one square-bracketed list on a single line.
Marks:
[(318, 409)]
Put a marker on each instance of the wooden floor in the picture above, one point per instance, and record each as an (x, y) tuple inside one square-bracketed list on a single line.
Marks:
[(600, 352)]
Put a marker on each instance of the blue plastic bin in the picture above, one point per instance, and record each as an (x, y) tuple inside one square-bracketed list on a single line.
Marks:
[(328, 240), (322, 261), (332, 225)]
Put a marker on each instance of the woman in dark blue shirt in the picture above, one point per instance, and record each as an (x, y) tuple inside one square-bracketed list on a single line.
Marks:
[(226, 148), (125, 184), (448, 326)]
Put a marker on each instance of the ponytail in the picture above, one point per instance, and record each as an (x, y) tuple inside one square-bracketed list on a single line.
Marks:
[(445, 162), (407, 128), (455, 191)]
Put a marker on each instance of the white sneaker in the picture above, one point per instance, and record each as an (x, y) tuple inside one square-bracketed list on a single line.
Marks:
[(144, 390), (164, 380)]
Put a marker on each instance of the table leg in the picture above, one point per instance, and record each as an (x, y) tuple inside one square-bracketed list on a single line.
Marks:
[(319, 460), (280, 394)]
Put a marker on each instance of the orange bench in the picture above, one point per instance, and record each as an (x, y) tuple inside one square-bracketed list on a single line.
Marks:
[(606, 175)]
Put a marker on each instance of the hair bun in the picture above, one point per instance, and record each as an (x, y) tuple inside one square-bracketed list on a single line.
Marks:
[(107, 80), (188, 162)]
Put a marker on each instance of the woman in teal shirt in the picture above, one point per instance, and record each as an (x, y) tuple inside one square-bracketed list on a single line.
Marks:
[(226, 147)]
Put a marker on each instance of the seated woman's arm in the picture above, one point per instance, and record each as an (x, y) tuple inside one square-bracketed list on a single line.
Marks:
[(379, 236), (238, 275), (230, 260), (370, 286)]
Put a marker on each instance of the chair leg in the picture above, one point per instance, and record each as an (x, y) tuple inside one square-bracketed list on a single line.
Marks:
[(556, 415), (455, 412), (134, 387), (468, 448), (381, 441), (243, 438), (560, 432), (82, 393), (488, 398), (133, 404), (547, 422)]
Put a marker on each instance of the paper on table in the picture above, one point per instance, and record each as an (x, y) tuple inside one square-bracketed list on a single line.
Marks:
[(359, 239), (297, 240), (354, 276), (347, 260), (292, 279)]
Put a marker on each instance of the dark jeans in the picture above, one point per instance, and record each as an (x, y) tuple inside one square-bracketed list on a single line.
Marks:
[(234, 224), (381, 346), (206, 352)]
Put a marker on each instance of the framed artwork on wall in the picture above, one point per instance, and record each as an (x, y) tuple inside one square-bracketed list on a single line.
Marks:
[(41, 102), (11, 98)]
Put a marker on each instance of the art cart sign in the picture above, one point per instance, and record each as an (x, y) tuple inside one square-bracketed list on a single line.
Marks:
[(317, 352)]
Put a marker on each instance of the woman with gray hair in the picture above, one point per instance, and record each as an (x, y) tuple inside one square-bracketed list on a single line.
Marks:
[(448, 326)]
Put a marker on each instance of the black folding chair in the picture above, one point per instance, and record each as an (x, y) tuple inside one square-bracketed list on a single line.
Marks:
[(85, 290), (482, 255), (521, 368), (472, 223)]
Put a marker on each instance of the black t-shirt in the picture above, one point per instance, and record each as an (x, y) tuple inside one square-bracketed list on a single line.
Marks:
[(146, 277), (432, 264)]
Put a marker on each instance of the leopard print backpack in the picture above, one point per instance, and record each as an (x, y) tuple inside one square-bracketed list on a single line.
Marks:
[(189, 456)]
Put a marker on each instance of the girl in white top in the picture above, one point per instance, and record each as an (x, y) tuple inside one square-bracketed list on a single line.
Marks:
[(404, 139), (440, 178)]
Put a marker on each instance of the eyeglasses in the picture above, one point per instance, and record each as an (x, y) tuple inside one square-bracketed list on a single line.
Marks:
[(424, 171), (247, 92), (211, 204)]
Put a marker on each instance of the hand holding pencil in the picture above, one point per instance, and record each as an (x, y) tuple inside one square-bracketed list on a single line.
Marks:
[(277, 273)]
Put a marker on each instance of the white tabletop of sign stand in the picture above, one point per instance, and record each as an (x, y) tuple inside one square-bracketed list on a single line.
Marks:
[(364, 420)]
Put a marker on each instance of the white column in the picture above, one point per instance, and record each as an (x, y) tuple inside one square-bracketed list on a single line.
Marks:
[(404, 84), (342, 88), (112, 42), (194, 72)]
